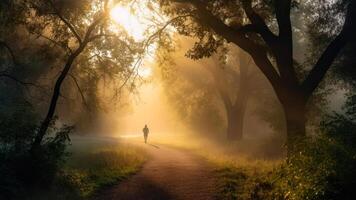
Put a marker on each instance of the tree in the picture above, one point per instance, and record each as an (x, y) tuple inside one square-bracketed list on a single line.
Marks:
[(202, 110), (79, 28), (245, 23), (235, 102)]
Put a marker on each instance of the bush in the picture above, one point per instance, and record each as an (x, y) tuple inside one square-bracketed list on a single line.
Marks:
[(92, 168), (326, 167), (22, 171), (244, 184)]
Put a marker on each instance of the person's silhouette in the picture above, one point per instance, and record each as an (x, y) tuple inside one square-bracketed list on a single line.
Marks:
[(145, 132)]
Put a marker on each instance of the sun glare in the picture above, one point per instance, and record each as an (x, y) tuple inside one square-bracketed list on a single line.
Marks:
[(123, 17), (145, 72), (138, 24)]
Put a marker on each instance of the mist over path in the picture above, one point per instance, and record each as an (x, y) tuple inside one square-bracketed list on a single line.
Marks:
[(168, 174)]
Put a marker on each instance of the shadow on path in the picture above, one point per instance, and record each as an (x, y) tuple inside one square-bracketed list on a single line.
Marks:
[(155, 146), (140, 189)]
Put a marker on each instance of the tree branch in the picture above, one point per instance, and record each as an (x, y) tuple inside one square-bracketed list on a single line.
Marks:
[(8, 48), (95, 37), (257, 52), (65, 48), (283, 18), (26, 84), (80, 91), (284, 45), (259, 24), (91, 28), (329, 55), (66, 22)]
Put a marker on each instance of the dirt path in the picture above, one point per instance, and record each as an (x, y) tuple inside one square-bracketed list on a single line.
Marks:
[(168, 174)]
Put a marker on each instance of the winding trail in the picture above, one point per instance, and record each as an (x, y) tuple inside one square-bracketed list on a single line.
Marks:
[(169, 174)]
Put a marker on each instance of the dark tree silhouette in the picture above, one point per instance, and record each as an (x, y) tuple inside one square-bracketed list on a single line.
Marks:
[(272, 53), (77, 32)]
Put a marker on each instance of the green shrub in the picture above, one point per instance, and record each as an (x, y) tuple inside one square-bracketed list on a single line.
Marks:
[(325, 168), (22, 171), (87, 172)]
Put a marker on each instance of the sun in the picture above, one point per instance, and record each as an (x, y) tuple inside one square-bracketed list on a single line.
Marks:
[(130, 22), (138, 25), (145, 72)]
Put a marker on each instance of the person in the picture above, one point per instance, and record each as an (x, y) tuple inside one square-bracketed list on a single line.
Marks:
[(145, 132)]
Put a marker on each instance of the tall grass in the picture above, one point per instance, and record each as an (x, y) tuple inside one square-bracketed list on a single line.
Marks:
[(93, 165), (243, 177)]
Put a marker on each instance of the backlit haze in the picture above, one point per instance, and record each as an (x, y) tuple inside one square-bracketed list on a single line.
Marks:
[(149, 106)]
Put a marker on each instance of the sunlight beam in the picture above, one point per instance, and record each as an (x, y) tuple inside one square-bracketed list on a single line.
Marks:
[(123, 17)]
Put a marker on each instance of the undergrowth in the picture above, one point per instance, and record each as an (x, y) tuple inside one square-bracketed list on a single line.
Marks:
[(93, 166)]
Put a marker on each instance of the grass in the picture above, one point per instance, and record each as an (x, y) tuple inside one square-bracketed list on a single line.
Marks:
[(93, 165), (246, 181), (241, 177)]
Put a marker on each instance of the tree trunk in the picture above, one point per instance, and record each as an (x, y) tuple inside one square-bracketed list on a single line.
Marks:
[(294, 112), (236, 116), (53, 104), (235, 113), (295, 116), (235, 121)]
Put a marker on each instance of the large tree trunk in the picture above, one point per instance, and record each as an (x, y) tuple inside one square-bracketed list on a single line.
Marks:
[(282, 48), (295, 115)]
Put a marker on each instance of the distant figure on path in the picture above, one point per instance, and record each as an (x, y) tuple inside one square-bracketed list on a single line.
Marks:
[(145, 132)]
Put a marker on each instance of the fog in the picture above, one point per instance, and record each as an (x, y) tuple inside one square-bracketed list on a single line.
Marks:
[(180, 104), (151, 108), (173, 94)]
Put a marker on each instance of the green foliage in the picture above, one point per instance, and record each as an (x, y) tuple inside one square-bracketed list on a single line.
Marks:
[(17, 128), (199, 109), (323, 168), (22, 169), (350, 107), (37, 36), (92, 168), (245, 183)]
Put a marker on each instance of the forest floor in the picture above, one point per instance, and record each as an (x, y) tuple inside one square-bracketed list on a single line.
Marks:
[(169, 173)]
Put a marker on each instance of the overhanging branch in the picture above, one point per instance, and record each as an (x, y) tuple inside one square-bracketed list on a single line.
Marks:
[(66, 22), (80, 91), (331, 52), (258, 24)]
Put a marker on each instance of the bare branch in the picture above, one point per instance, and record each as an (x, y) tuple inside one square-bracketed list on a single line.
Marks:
[(65, 48), (160, 30), (80, 91), (26, 84)]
